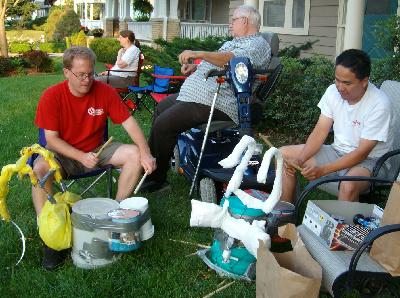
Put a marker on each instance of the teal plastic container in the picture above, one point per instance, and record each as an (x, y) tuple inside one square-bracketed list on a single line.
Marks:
[(239, 262), (236, 207)]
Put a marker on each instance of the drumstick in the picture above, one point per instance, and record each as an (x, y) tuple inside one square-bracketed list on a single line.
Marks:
[(265, 139), (140, 183), (104, 146)]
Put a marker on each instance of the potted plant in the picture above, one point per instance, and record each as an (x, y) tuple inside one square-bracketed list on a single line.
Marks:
[(97, 32)]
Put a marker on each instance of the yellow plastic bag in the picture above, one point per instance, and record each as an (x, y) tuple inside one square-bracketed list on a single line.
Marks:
[(55, 221)]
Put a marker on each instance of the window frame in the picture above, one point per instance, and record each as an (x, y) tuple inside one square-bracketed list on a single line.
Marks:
[(287, 27)]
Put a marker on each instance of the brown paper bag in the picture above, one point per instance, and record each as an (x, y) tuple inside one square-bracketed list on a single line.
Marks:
[(385, 250), (287, 275)]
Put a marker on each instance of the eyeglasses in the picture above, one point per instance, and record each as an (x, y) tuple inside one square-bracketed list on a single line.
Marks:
[(237, 18), (83, 76)]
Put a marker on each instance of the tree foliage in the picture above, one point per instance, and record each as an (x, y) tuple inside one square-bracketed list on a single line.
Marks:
[(61, 23), (143, 9)]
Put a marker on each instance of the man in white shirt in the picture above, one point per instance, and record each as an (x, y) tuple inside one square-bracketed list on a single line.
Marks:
[(360, 115)]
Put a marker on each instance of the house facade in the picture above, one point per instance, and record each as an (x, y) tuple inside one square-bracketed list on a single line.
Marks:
[(333, 25)]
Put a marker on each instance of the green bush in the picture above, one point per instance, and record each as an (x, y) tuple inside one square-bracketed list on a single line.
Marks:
[(39, 60), (292, 108), (78, 39), (20, 47), (5, 66), (61, 24), (106, 49), (52, 47), (36, 24)]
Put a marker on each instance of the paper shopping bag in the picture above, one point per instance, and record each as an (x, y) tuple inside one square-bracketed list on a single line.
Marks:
[(293, 274), (385, 250)]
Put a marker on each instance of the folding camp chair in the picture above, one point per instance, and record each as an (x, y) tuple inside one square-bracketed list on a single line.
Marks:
[(77, 179), (347, 270), (135, 82), (164, 84)]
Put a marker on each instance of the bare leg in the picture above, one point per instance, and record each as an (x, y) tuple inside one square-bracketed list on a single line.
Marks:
[(127, 157), (39, 196), (350, 190), (291, 152)]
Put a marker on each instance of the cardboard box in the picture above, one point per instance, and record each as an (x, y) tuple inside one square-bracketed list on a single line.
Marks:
[(324, 218)]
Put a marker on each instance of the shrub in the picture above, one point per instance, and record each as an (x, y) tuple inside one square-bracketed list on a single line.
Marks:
[(292, 108), (61, 24), (52, 47), (39, 60), (5, 66), (36, 23), (106, 49), (20, 47), (78, 39), (97, 32)]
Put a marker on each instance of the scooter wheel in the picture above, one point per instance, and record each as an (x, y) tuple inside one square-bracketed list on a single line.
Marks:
[(208, 191), (175, 160)]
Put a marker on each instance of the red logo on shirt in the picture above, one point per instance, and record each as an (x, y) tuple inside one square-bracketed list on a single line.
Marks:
[(356, 123), (95, 112)]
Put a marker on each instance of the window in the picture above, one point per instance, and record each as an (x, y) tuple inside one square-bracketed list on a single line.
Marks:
[(285, 16)]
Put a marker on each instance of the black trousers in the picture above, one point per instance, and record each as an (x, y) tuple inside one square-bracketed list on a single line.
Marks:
[(172, 117)]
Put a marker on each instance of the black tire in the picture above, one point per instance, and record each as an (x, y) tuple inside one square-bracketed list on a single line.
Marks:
[(208, 190)]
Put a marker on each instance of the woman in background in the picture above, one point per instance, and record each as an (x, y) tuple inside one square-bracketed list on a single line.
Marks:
[(124, 71)]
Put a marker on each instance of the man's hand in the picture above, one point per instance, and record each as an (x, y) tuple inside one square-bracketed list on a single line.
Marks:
[(187, 69), (89, 160), (312, 173), (187, 56), (148, 163), (290, 166), (103, 73)]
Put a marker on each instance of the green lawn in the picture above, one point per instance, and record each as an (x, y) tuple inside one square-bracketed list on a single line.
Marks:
[(23, 35), (161, 268)]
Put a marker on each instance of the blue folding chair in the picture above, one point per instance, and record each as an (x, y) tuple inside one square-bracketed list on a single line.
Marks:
[(98, 173), (164, 82)]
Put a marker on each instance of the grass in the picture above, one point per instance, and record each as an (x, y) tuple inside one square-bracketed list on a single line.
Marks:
[(23, 35), (161, 268)]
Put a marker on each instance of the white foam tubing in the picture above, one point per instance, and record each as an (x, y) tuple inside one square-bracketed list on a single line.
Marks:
[(211, 215), (268, 205), (234, 158)]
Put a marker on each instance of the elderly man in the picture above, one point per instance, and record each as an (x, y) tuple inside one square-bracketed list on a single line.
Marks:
[(74, 116), (360, 115), (191, 107)]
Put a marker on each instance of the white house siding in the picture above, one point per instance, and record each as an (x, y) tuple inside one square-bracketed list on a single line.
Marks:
[(323, 27)]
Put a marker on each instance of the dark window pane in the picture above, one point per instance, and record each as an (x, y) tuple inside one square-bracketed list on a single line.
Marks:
[(274, 13), (298, 13), (378, 7)]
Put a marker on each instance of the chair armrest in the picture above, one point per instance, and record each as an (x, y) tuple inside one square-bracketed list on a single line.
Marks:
[(382, 159), (119, 70), (368, 240), (181, 78), (315, 183)]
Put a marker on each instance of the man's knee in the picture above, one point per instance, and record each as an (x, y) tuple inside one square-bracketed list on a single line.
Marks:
[(40, 167), (291, 151)]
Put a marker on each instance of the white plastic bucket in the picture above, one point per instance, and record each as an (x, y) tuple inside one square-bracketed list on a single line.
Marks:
[(141, 204), (95, 209)]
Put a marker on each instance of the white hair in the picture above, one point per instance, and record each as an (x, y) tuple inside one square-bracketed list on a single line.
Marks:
[(251, 13)]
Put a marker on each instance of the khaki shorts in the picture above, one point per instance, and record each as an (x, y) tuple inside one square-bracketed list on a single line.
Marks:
[(71, 167), (328, 154)]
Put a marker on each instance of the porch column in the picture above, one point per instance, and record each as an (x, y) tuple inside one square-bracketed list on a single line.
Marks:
[(174, 28), (86, 16), (125, 15), (91, 12), (110, 23), (75, 7), (354, 25), (159, 19), (253, 3)]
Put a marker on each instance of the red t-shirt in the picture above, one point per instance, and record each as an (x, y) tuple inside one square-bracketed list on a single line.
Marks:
[(80, 121)]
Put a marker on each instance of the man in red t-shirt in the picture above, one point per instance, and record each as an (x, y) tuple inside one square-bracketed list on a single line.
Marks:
[(74, 115)]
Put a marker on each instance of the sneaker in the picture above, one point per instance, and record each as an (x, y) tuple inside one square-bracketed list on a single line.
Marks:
[(151, 186), (53, 258)]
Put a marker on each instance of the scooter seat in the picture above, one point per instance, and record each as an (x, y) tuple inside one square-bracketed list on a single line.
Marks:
[(217, 125)]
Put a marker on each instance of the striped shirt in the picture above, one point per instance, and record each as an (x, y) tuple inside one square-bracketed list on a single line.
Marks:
[(195, 89)]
